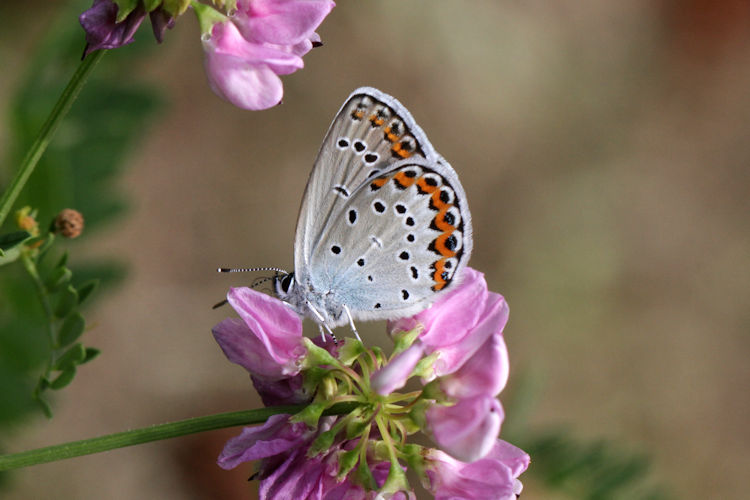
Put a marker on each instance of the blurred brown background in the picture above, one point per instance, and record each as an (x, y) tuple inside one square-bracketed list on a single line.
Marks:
[(604, 150)]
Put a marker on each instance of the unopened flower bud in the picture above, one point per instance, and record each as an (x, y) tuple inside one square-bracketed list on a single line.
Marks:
[(26, 222), (69, 223)]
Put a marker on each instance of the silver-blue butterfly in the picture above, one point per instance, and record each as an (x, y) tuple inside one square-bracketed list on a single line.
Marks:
[(384, 228)]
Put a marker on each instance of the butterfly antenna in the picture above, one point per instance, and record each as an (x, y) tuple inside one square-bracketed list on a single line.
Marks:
[(219, 304), (250, 269)]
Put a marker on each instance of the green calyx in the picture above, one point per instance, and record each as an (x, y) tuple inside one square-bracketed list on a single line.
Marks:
[(379, 425), (207, 17), (172, 7)]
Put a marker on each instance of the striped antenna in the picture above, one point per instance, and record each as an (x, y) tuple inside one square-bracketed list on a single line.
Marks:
[(250, 269)]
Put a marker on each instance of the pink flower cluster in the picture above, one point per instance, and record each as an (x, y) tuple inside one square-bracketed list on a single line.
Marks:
[(245, 50), (456, 347), (465, 330), (262, 39)]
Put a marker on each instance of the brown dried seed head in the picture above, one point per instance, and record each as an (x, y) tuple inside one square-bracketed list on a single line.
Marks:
[(69, 223)]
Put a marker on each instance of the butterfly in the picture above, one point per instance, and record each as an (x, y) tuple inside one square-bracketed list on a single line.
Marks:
[(384, 227)]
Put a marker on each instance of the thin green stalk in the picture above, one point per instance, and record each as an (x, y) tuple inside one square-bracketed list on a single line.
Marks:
[(153, 433), (48, 130)]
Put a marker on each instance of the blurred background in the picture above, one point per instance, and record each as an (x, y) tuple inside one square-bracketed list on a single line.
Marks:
[(604, 150)]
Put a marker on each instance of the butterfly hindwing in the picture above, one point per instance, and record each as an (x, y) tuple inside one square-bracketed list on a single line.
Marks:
[(400, 239)]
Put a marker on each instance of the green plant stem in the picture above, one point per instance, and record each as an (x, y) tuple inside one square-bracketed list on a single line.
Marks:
[(48, 130), (153, 433)]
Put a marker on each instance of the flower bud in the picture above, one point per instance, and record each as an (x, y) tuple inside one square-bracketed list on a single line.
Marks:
[(69, 223)]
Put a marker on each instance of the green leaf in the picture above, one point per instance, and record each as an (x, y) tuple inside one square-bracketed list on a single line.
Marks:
[(44, 249), (66, 301), (91, 353), (63, 260), (62, 380), (86, 289), (60, 276), (10, 240), (72, 357), (46, 408), (71, 329), (9, 256)]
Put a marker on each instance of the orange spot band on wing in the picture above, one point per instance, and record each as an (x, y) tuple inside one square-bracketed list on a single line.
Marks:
[(437, 276), (399, 150), (378, 183), (441, 223), (377, 121), (390, 136), (427, 188), (403, 179), (441, 247)]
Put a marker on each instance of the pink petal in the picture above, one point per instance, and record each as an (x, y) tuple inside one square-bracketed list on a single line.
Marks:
[(226, 40), (511, 456), (281, 22), (245, 73), (495, 476), (275, 436), (452, 316), (485, 373), (269, 343), (244, 85), (467, 430), (491, 320), (394, 375)]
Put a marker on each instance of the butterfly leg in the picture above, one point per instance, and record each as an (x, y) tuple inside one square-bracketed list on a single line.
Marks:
[(321, 323), (351, 322)]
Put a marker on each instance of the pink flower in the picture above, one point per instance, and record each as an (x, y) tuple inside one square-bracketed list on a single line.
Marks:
[(264, 39), (286, 470), (494, 476), (267, 341), (468, 429)]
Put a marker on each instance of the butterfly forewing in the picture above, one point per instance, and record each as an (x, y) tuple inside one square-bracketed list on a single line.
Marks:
[(370, 133)]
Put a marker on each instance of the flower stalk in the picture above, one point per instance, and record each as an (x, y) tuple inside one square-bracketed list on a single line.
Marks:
[(48, 130), (153, 433)]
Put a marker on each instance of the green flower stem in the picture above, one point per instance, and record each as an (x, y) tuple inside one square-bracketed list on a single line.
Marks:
[(153, 433), (48, 130)]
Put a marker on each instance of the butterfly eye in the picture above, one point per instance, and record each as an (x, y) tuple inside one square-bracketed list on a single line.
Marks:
[(283, 285)]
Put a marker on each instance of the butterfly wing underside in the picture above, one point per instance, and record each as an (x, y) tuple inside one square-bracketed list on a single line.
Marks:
[(384, 223)]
